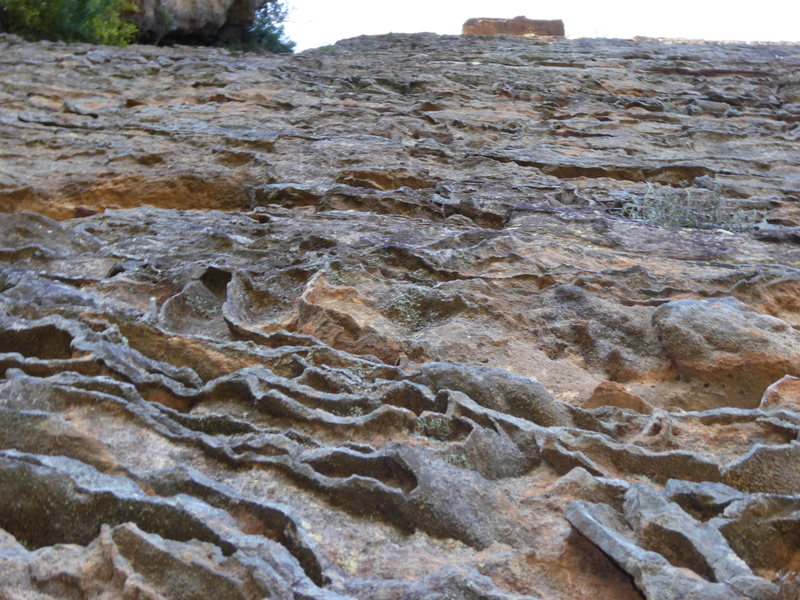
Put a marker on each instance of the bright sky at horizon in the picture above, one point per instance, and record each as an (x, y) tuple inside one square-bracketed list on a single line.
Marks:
[(315, 23)]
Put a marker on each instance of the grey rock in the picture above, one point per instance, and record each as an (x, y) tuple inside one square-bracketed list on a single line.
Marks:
[(703, 500), (763, 468), (498, 390), (653, 574), (665, 528)]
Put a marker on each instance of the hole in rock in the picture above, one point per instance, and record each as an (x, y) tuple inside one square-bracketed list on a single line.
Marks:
[(45, 341), (316, 242), (678, 550), (216, 280), (320, 381), (385, 469), (161, 395)]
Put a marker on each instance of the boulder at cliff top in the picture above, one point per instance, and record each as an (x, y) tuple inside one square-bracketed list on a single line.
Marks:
[(515, 26)]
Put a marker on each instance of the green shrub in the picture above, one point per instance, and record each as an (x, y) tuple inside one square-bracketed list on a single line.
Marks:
[(93, 21), (683, 209)]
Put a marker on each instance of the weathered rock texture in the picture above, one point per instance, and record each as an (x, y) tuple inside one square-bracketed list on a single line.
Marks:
[(515, 26), (194, 20), (371, 322)]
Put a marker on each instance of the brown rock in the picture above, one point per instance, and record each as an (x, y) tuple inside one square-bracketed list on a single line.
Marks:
[(783, 394), (610, 393), (83, 211), (515, 26), (725, 341)]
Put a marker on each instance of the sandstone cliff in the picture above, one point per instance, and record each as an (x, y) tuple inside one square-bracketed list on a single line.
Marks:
[(400, 319)]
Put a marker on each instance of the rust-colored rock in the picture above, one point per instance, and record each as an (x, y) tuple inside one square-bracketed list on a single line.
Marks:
[(783, 394), (515, 26), (610, 393)]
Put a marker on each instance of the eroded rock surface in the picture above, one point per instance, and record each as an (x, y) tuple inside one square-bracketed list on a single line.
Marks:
[(372, 321)]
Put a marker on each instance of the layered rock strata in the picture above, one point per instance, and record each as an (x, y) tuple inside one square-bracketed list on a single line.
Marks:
[(384, 320)]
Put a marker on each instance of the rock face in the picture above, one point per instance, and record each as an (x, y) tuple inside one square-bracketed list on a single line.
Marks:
[(385, 320), (203, 20), (515, 26)]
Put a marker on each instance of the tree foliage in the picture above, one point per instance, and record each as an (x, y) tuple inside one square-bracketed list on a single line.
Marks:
[(93, 21), (103, 22), (267, 29)]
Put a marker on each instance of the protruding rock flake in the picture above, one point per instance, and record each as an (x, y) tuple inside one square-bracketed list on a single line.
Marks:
[(408, 317)]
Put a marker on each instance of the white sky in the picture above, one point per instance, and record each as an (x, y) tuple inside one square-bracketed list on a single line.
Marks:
[(315, 23)]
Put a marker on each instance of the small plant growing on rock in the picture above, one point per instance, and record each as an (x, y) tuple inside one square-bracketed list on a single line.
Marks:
[(683, 209), (788, 585), (267, 30), (331, 50), (164, 22), (265, 34)]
